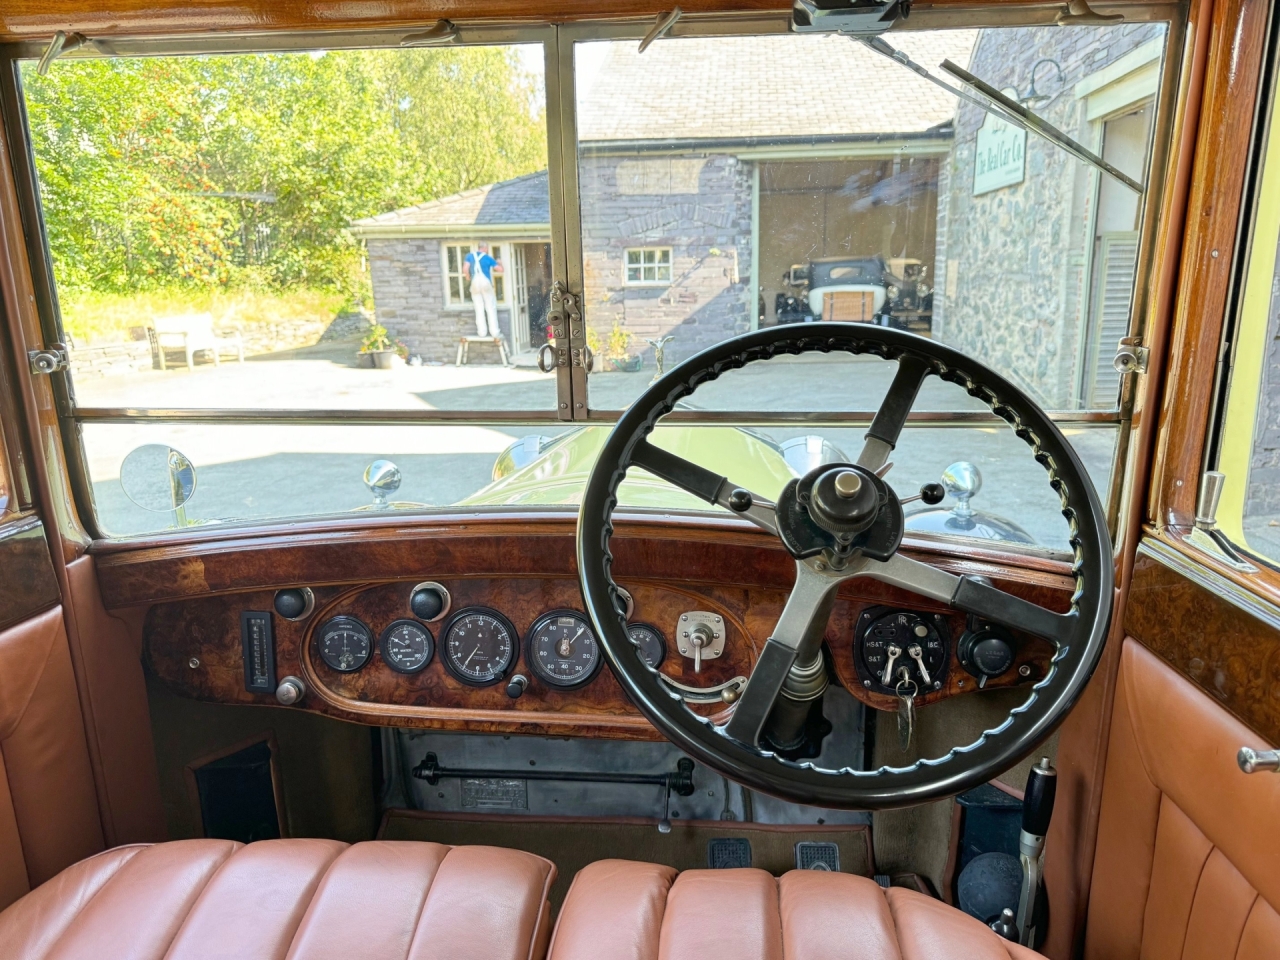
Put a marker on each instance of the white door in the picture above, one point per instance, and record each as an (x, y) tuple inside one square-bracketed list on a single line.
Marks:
[(519, 300)]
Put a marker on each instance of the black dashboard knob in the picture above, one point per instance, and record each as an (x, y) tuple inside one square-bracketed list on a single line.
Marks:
[(427, 603), (516, 686), (291, 604)]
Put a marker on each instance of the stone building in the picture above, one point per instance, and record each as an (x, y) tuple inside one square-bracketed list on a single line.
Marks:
[(1037, 250)]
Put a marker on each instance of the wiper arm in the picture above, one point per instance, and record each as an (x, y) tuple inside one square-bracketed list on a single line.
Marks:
[(1019, 115), (998, 105)]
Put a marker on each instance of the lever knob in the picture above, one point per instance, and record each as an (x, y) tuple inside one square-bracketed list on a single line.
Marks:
[(1005, 926), (1037, 802), (427, 602), (290, 691), (517, 685)]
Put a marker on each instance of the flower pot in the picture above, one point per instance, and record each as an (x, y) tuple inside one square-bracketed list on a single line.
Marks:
[(383, 359), (627, 364)]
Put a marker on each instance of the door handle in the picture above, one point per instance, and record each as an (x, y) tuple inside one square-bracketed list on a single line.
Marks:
[(1255, 761)]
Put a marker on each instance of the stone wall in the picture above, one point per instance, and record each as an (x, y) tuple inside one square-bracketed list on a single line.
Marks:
[(111, 359), (408, 296), (1262, 495), (1015, 280), (647, 201)]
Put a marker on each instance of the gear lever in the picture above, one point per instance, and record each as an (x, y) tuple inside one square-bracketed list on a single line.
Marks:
[(1037, 811)]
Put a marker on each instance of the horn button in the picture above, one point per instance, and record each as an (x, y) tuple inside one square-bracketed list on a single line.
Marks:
[(842, 508)]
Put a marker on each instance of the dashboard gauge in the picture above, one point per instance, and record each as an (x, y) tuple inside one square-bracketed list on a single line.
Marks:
[(562, 650), (345, 644), (407, 646), (650, 642), (478, 646)]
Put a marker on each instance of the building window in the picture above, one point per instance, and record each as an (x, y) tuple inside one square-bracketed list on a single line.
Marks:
[(648, 265), (457, 292)]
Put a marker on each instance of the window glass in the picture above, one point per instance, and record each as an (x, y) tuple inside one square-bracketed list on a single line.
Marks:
[(1249, 448), (783, 201), (292, 229)]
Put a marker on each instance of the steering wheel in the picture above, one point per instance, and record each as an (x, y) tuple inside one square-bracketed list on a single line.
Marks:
[(841, 522)]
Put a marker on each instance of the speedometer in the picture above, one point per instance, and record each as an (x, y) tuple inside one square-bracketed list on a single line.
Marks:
[(562, 650), (479, 646)]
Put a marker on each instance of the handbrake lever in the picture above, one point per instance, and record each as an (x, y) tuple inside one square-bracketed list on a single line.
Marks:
[(1037, 811)]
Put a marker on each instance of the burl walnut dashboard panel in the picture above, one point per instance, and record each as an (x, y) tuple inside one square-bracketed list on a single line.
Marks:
[(522, 569)]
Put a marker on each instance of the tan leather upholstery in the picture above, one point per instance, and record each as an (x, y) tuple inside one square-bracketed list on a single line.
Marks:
[(48, 805), (1187, 862), (295, 899), (619, 910)]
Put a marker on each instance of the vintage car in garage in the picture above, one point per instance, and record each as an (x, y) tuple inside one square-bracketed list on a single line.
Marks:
[(827, 640)]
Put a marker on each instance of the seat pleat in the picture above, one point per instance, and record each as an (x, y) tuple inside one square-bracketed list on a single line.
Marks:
[(1223, 902), (928, 929), (1180, 856), (1261, 933), (613, 911), (30, 927), (730, 913), (253, 905), (486, 904), (835, 916), (368, 903), (139, 910)]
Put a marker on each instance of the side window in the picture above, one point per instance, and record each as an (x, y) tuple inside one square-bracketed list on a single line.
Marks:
[(1249, 442)]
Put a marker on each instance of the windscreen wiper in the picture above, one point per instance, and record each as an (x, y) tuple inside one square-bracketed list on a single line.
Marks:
[(998, 105)]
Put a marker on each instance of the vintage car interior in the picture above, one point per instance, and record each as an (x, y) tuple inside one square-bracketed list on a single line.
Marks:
[(561, 480)]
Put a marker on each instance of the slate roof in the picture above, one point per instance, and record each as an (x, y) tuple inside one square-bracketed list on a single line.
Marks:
[(724, 88), (789, 85), (523, 200)]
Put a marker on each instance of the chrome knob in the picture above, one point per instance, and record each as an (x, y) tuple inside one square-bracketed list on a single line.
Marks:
[(848, 484), (1256, 761), (962, 480), (290, 691), (382, 477)]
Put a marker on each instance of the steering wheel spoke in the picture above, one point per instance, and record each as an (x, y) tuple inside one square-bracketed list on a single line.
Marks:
[(971, 595), (796, 639), (705, 484), (886, 427)]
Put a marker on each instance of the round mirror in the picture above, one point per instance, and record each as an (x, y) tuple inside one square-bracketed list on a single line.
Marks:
[(157, 477)]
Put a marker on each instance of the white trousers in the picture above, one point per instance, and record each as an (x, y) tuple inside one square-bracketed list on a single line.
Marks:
[(486, 304)]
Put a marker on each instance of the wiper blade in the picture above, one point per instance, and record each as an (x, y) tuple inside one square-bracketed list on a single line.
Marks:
[(998, 105)]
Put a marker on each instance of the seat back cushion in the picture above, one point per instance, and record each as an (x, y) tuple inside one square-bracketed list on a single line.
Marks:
[(287, 900), (1188, 856)]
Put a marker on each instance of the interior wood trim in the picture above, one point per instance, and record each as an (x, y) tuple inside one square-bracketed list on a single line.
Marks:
[(1228, 111), (28, 584), (1222, 638)]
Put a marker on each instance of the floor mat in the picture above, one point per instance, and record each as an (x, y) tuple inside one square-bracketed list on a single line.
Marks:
[(572, 844)]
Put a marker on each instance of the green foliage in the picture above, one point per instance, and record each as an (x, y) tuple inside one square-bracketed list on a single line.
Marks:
[(618, 344), (376, 339), (244, 171)]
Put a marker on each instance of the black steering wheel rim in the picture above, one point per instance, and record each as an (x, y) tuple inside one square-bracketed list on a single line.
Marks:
[(964, 767)]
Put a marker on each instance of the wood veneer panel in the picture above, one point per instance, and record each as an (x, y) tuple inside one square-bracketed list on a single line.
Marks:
[(1215, 639), (27, 581)]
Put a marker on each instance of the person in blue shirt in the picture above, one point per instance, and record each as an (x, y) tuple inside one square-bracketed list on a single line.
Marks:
[(479, 268)]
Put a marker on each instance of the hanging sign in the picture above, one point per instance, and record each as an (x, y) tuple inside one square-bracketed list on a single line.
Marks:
[(1001, 155)]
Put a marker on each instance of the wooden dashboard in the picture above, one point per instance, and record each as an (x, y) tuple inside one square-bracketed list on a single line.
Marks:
[(522, 567)]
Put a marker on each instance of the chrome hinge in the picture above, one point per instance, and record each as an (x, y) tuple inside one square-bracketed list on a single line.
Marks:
[(1131, 356), (49, 360)]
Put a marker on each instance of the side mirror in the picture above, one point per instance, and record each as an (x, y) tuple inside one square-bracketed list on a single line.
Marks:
[(158, 478)]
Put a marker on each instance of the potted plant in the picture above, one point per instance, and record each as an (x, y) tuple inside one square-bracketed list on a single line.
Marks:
[(379, 347), (617, 350)]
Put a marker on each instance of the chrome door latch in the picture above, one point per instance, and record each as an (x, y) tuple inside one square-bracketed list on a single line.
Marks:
[(49, 360), (1255, 761), (1131, 356)]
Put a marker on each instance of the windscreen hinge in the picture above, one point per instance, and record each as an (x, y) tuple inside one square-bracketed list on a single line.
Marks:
[(49, 360)]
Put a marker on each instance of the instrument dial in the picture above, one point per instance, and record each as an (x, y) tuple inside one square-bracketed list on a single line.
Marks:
[(479, 646), (407, 646), (650, 642), (562, 650), (344, 644)]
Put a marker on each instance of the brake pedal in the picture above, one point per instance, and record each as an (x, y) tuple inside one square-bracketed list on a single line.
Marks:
[(817, 855), (728, 853)]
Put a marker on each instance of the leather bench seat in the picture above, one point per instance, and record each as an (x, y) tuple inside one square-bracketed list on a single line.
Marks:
[(300, 899), (621, 910)]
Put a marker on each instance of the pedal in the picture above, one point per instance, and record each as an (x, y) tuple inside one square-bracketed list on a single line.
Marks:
[(728, 853), (817, 855)]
